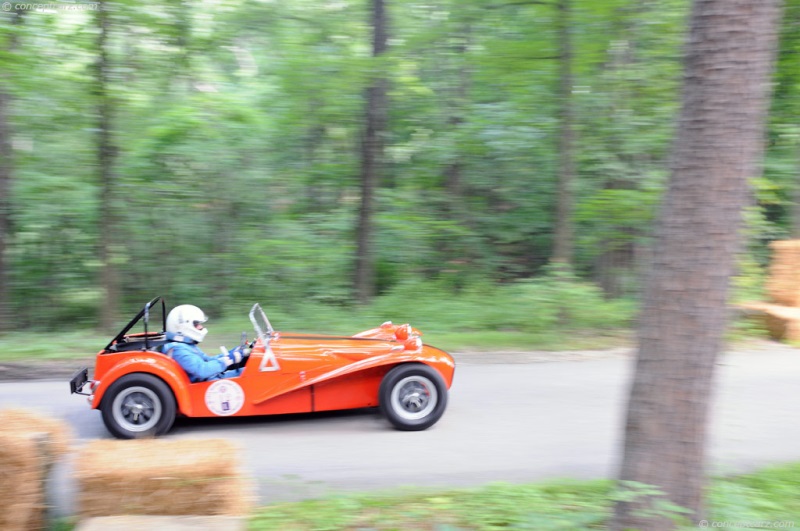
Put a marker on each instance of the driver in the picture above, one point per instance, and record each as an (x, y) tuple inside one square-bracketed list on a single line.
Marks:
[(185, 329)]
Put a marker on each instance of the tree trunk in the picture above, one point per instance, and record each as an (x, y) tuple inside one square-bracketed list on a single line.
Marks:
[(718, 147), (6, 175), (106, 155), (795, 206), (455, 104), (6, 178), (371, 160), (563, 238)]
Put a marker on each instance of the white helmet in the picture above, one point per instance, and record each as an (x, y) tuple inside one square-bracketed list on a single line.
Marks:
[(187, 321)]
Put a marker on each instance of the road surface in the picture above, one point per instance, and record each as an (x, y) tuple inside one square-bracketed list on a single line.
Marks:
[(514, 422)]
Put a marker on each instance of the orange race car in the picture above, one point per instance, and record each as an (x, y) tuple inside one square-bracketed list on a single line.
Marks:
[(141, 390)]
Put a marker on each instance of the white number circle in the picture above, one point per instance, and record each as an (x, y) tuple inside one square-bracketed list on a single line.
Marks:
[(224, 398)]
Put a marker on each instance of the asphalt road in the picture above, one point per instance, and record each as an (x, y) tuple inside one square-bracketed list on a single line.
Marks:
[(512, 422)]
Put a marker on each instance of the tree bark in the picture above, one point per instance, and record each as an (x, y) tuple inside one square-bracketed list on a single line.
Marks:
[(371, 160), (6, 176), (719, 145), (455, 105), (6, 179), (106, 155), (563, 238), (795, 206)]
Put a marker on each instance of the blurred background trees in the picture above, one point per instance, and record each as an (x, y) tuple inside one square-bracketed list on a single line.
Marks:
[(214, 152)]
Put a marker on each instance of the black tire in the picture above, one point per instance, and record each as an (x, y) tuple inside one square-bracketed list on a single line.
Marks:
[(138, 406), (413, 396)]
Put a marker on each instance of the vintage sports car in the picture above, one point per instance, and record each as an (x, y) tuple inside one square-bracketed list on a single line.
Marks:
[(141, 390)]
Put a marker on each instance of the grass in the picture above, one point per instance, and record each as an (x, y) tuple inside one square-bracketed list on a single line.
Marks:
[(565, 505), (38, 345), (769, 495)]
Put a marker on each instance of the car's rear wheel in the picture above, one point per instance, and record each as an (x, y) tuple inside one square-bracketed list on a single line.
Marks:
[(413, 396), (138, 406)]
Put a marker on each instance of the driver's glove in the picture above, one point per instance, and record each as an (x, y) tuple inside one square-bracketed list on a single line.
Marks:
[(234, 356)]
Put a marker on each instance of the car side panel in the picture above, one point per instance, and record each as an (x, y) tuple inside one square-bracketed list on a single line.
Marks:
[(298, 401), (356, 373), (353, 391)]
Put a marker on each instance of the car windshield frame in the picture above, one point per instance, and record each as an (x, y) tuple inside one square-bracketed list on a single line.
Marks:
[(269, 362)]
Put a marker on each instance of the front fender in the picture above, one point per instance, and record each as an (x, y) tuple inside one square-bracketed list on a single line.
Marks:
[(158, 366), (432, 356)]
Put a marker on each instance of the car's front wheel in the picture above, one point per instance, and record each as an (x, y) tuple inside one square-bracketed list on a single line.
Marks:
[(138, 406), (413, 396)]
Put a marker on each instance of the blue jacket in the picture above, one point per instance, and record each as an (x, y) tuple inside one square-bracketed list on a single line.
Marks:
[(197, 364)]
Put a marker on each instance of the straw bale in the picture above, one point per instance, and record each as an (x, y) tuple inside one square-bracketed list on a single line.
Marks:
[(22, 474), (783, 283), (157, 477), (59, 435), (30, 443), (782, 322)]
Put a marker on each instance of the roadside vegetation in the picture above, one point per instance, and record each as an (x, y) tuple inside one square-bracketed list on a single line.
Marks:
[(555, 312), (552, 312), (769, 495)]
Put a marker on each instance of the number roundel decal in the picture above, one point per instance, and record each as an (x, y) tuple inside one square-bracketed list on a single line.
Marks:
[(224, 398)]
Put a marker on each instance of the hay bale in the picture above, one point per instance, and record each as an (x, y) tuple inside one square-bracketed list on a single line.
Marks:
[(783, 283), (59, 435), (157, 477), (22, 504), (30, 443), (782, 322)]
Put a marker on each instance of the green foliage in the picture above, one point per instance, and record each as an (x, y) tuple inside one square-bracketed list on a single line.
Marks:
[(556, 312), (550, 507), (771, 495), (554, 302), (239, 128), (652, 500)]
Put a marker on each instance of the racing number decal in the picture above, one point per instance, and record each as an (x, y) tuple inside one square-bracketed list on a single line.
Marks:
[(224, 398)]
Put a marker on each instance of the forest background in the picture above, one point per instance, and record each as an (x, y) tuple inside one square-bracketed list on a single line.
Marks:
[(489, 170)]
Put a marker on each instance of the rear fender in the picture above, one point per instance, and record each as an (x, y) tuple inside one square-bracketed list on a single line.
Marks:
[(163, 368)]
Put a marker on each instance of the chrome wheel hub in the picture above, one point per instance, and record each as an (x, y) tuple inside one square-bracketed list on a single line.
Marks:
[(137, 409), (414, 397)]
